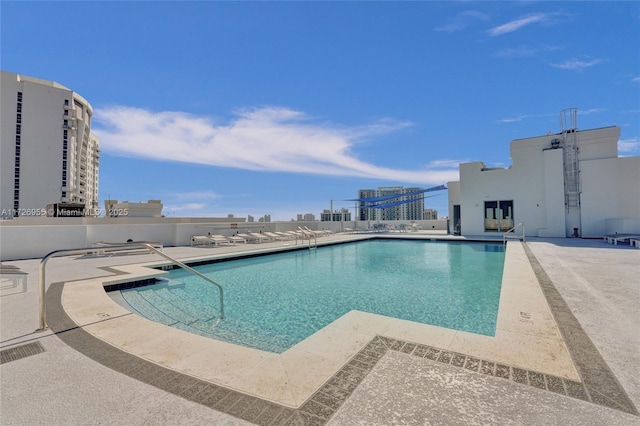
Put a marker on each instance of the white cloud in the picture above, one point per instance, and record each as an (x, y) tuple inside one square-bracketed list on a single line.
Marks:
[(628, 145), (199, 195), (462, 21), (445, 164), (512, 119), (183, 207), (576, 64), (261, 139), (525, 51), (517, 24), (590, 111), (636, 80)]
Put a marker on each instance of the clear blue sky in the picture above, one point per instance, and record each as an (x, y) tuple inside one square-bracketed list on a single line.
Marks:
[(278, 107)]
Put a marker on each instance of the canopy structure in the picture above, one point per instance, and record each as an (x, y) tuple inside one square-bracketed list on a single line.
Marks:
[(377, 202)]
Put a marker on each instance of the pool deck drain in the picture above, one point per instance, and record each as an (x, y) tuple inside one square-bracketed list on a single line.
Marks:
[(19, 352)]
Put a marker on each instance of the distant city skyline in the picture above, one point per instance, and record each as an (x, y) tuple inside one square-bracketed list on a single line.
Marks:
[(277, 108)]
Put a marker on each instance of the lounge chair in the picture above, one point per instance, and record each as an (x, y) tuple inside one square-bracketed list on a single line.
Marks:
[(621, 238), (12, 278), (220, 239), (254, 238), (261, 237), (276, 237), (317, 233), (207, 240), (232, 239), (287, 235), (201, 240)]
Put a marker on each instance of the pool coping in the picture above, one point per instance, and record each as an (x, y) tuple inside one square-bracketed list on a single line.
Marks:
[(396, 336)]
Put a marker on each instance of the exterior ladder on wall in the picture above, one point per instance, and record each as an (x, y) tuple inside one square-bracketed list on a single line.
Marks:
[(569, 131)]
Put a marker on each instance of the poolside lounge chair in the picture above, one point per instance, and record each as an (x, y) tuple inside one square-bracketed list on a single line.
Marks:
[(201, 240), (317, 233), (208, 240), (286, 235), (220, 239), (621, 238), (12, 279), (254, 238), (232, 239), (308, 234), (276, 237)]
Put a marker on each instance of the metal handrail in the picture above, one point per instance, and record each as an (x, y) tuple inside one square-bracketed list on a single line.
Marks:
[(504, 236), (309, 234), (67, 252)]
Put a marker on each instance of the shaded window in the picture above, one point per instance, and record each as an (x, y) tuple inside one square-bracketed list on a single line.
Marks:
[(498, 216)]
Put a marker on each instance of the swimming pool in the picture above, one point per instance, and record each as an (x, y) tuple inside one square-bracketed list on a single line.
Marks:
[(273, 302)]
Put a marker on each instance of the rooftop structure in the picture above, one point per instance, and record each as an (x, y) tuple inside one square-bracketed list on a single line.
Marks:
[(115, 208), (566, 184)]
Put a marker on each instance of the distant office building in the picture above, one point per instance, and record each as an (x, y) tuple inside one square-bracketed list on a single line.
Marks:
[(48, 154), (307, 217), (430, 214), (265, 218), (406, 206), (250, 219), (343, 215)]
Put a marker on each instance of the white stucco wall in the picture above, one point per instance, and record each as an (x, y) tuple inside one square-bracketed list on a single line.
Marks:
[(28, 242), (610, 190), (552, 224), (523, 185), (609, 185)]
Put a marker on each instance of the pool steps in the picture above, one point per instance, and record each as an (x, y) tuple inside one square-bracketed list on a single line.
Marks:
[(167, 306)]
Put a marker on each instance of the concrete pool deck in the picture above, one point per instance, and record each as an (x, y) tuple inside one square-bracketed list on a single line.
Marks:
[(401, 378)]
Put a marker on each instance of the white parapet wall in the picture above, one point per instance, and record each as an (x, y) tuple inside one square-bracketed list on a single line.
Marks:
[(34, 237), (28, 242)]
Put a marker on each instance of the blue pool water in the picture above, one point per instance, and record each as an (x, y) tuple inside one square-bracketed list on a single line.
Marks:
[(273, 302)]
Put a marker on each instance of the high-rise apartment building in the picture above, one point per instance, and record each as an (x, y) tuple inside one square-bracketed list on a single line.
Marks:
[(430, 214), (407, 205), (48, 153), (342, 215)]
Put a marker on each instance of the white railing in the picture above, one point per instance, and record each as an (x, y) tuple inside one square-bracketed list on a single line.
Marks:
[(511, 234), (309, 234), (122, 247)]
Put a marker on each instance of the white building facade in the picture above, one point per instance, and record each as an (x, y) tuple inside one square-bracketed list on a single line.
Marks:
[(560, 185), (48, 152)]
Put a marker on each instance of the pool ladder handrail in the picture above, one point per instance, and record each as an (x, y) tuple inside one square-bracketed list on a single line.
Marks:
[(508, 235), (310, 234), (105, 249)]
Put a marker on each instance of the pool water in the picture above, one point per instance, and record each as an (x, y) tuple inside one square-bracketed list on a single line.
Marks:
[(273, 302)]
